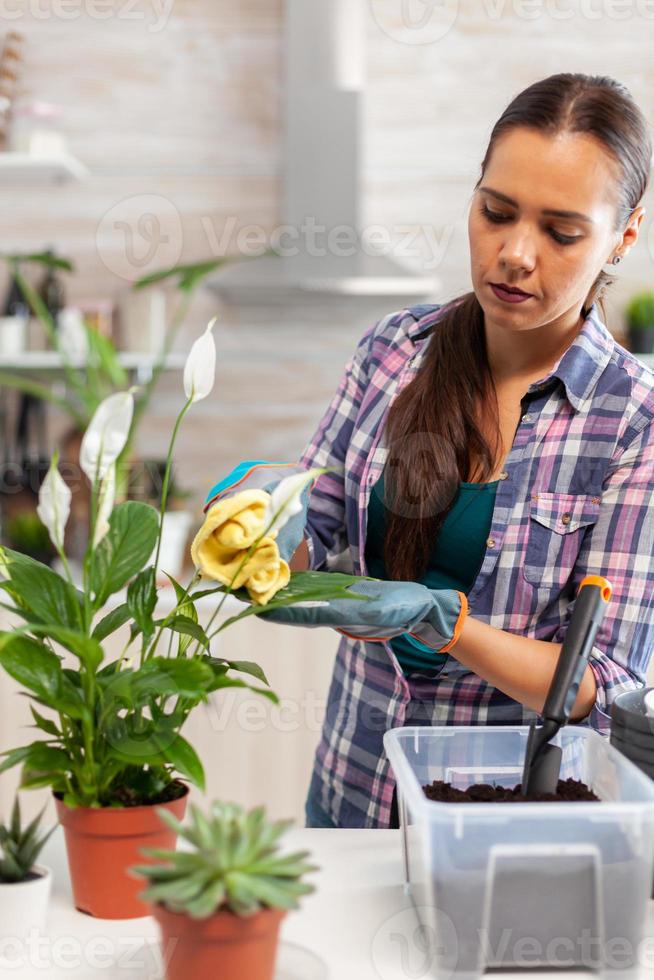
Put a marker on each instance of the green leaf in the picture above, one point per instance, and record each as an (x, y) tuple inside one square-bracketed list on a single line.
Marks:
[(40, 671), (47, 259), (185, 607), (45, 724), (189, 628), (33, 779), (184, 758), (187, 275), (14, 757), (161, 676), (48, 758), (141, 600), (37, 755), (49, 597), (86, 648), (124, 550), (111, 622), (248, 667), (221, 681), (303, 587)]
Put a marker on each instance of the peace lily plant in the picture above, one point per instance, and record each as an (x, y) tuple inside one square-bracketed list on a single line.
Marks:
[(110, 729)]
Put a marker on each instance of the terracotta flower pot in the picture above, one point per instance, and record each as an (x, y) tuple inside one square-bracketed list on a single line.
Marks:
[(102, 844), (225, 945)]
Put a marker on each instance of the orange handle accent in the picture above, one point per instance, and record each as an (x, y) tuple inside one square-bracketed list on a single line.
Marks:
[(603, 583)]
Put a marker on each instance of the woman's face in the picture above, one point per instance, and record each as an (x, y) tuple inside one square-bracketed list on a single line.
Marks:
[(517, 240)]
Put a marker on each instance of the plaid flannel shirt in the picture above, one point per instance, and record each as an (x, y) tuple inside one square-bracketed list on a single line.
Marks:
[(576, 498)]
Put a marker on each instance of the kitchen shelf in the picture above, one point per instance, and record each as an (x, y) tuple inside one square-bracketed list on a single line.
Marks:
[(25, 168)]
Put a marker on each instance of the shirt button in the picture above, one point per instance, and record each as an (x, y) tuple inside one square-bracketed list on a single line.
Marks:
[(566, 519), (526, 417), (504, 475), (490, 542)]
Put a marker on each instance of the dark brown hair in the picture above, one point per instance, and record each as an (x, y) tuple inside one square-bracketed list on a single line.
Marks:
[(433, 436)]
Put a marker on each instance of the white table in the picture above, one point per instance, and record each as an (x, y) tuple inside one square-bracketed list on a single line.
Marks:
[(359, 920)]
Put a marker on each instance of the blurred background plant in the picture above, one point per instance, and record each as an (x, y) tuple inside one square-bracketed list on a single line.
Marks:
[(640, 322), (92, 370)]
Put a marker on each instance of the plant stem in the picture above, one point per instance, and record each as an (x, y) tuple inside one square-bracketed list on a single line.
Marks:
[(122, 463), (171, 615), (166, 479)]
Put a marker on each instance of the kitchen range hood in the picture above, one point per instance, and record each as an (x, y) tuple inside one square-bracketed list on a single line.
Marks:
[(321, 251)]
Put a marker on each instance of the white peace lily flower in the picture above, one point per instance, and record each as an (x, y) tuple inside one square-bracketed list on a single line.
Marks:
[(287, 495), (105, 438), (106, 505), (200, 367), (54, 504)]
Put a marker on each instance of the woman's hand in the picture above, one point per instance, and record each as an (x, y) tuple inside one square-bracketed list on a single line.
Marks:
[(262, 475), (433, 616)]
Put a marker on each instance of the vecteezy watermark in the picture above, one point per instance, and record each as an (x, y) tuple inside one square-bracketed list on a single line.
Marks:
[(404, 945), (144, 232), (141, 956), (137, 233), (155, 14), (422, 941), (427, 21), (567, 9), (415, 21)]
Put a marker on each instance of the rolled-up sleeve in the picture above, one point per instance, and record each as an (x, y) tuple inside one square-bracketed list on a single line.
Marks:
[(325, 532), (620, 547)]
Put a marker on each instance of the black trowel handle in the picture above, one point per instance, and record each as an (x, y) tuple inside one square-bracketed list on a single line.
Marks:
[(590, 605)]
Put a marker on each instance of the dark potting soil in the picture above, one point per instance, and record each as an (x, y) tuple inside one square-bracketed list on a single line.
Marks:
[(30, 876), (567, 791), (127, 796)]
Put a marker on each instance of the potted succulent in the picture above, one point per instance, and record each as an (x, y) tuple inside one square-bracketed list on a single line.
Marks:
[(110, 744), (640, 323), (24, 885), (220, 901)]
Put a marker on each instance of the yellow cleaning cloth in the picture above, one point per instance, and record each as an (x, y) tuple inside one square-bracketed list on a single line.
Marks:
[(230, 527)]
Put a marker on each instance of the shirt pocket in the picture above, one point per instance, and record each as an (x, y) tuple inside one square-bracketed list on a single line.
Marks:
[(557, 522)]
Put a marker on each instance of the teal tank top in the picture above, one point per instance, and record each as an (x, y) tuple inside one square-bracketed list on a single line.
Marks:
[(453, 563)]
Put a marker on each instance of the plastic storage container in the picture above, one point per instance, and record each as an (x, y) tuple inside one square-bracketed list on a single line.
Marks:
[(507, 885)]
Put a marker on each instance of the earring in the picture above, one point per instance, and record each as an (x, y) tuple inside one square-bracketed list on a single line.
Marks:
[(616, 259)]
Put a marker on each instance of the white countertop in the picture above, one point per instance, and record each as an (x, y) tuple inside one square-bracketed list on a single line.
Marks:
[(359, 920)]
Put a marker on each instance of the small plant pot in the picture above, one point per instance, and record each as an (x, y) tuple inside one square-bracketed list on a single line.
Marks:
[(628, 710), (24, 904), (225, 946), (102, 844), (632, 736), (634, 752)]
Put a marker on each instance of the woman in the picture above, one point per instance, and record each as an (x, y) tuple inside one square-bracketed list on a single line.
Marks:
[(496, 449)]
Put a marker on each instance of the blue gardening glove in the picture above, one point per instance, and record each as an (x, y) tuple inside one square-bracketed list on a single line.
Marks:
[(433, 616), (258, 474)]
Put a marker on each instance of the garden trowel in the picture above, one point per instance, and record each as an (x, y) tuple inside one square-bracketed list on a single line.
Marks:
[(542, 760)]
